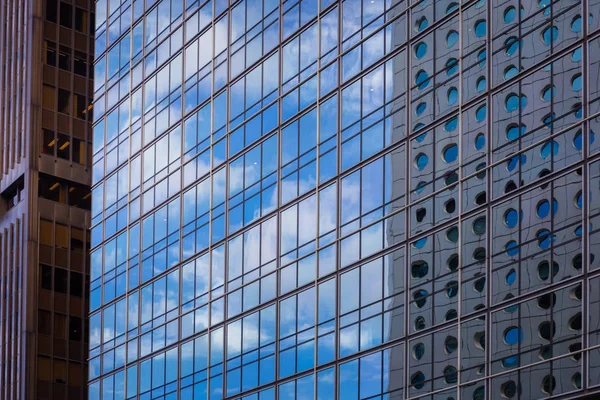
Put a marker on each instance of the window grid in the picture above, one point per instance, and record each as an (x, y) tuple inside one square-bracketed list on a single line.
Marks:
[(451, 188)]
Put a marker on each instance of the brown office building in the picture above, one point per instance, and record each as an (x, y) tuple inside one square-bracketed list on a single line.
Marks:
[(46, 51)]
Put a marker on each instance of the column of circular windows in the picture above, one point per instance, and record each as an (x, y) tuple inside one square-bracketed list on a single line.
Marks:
[(534, 243), (434, 260)]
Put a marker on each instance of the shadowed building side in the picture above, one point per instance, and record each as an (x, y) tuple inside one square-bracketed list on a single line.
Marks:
[(45, 175)]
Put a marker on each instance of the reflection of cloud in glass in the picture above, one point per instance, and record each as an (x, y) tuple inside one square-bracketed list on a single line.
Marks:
[(221, 36), (348, 339), (218, 266)]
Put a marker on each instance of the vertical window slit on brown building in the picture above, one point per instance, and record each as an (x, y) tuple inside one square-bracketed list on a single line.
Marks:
[(79, 106), (75, 330), (80, 63), (76, 284), (50, 53), (51, 10), (64, 97), (63, 146), (46, 277), (60, 280), (49, 97), (48, 142), (81, 20), (66, 15), (78, 151), (64, 58)]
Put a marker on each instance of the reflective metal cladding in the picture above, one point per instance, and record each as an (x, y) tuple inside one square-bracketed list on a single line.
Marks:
[(352, 199)]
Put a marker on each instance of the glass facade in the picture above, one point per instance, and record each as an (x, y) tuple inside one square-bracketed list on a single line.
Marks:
[(359, 199)]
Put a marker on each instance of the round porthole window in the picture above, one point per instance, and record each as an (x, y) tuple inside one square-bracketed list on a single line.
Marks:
[(420, 50), (513, 335), (450, 153), (509, 14)]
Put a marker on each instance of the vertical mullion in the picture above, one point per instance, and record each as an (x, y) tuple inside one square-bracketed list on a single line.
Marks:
[(585, 245), (489, 191), (408, 152), (461, 186)]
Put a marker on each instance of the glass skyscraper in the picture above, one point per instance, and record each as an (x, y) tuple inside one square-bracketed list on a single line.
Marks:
[(359, 199)]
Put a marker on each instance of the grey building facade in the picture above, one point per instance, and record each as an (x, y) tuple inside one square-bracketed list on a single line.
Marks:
[(345, 200)]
